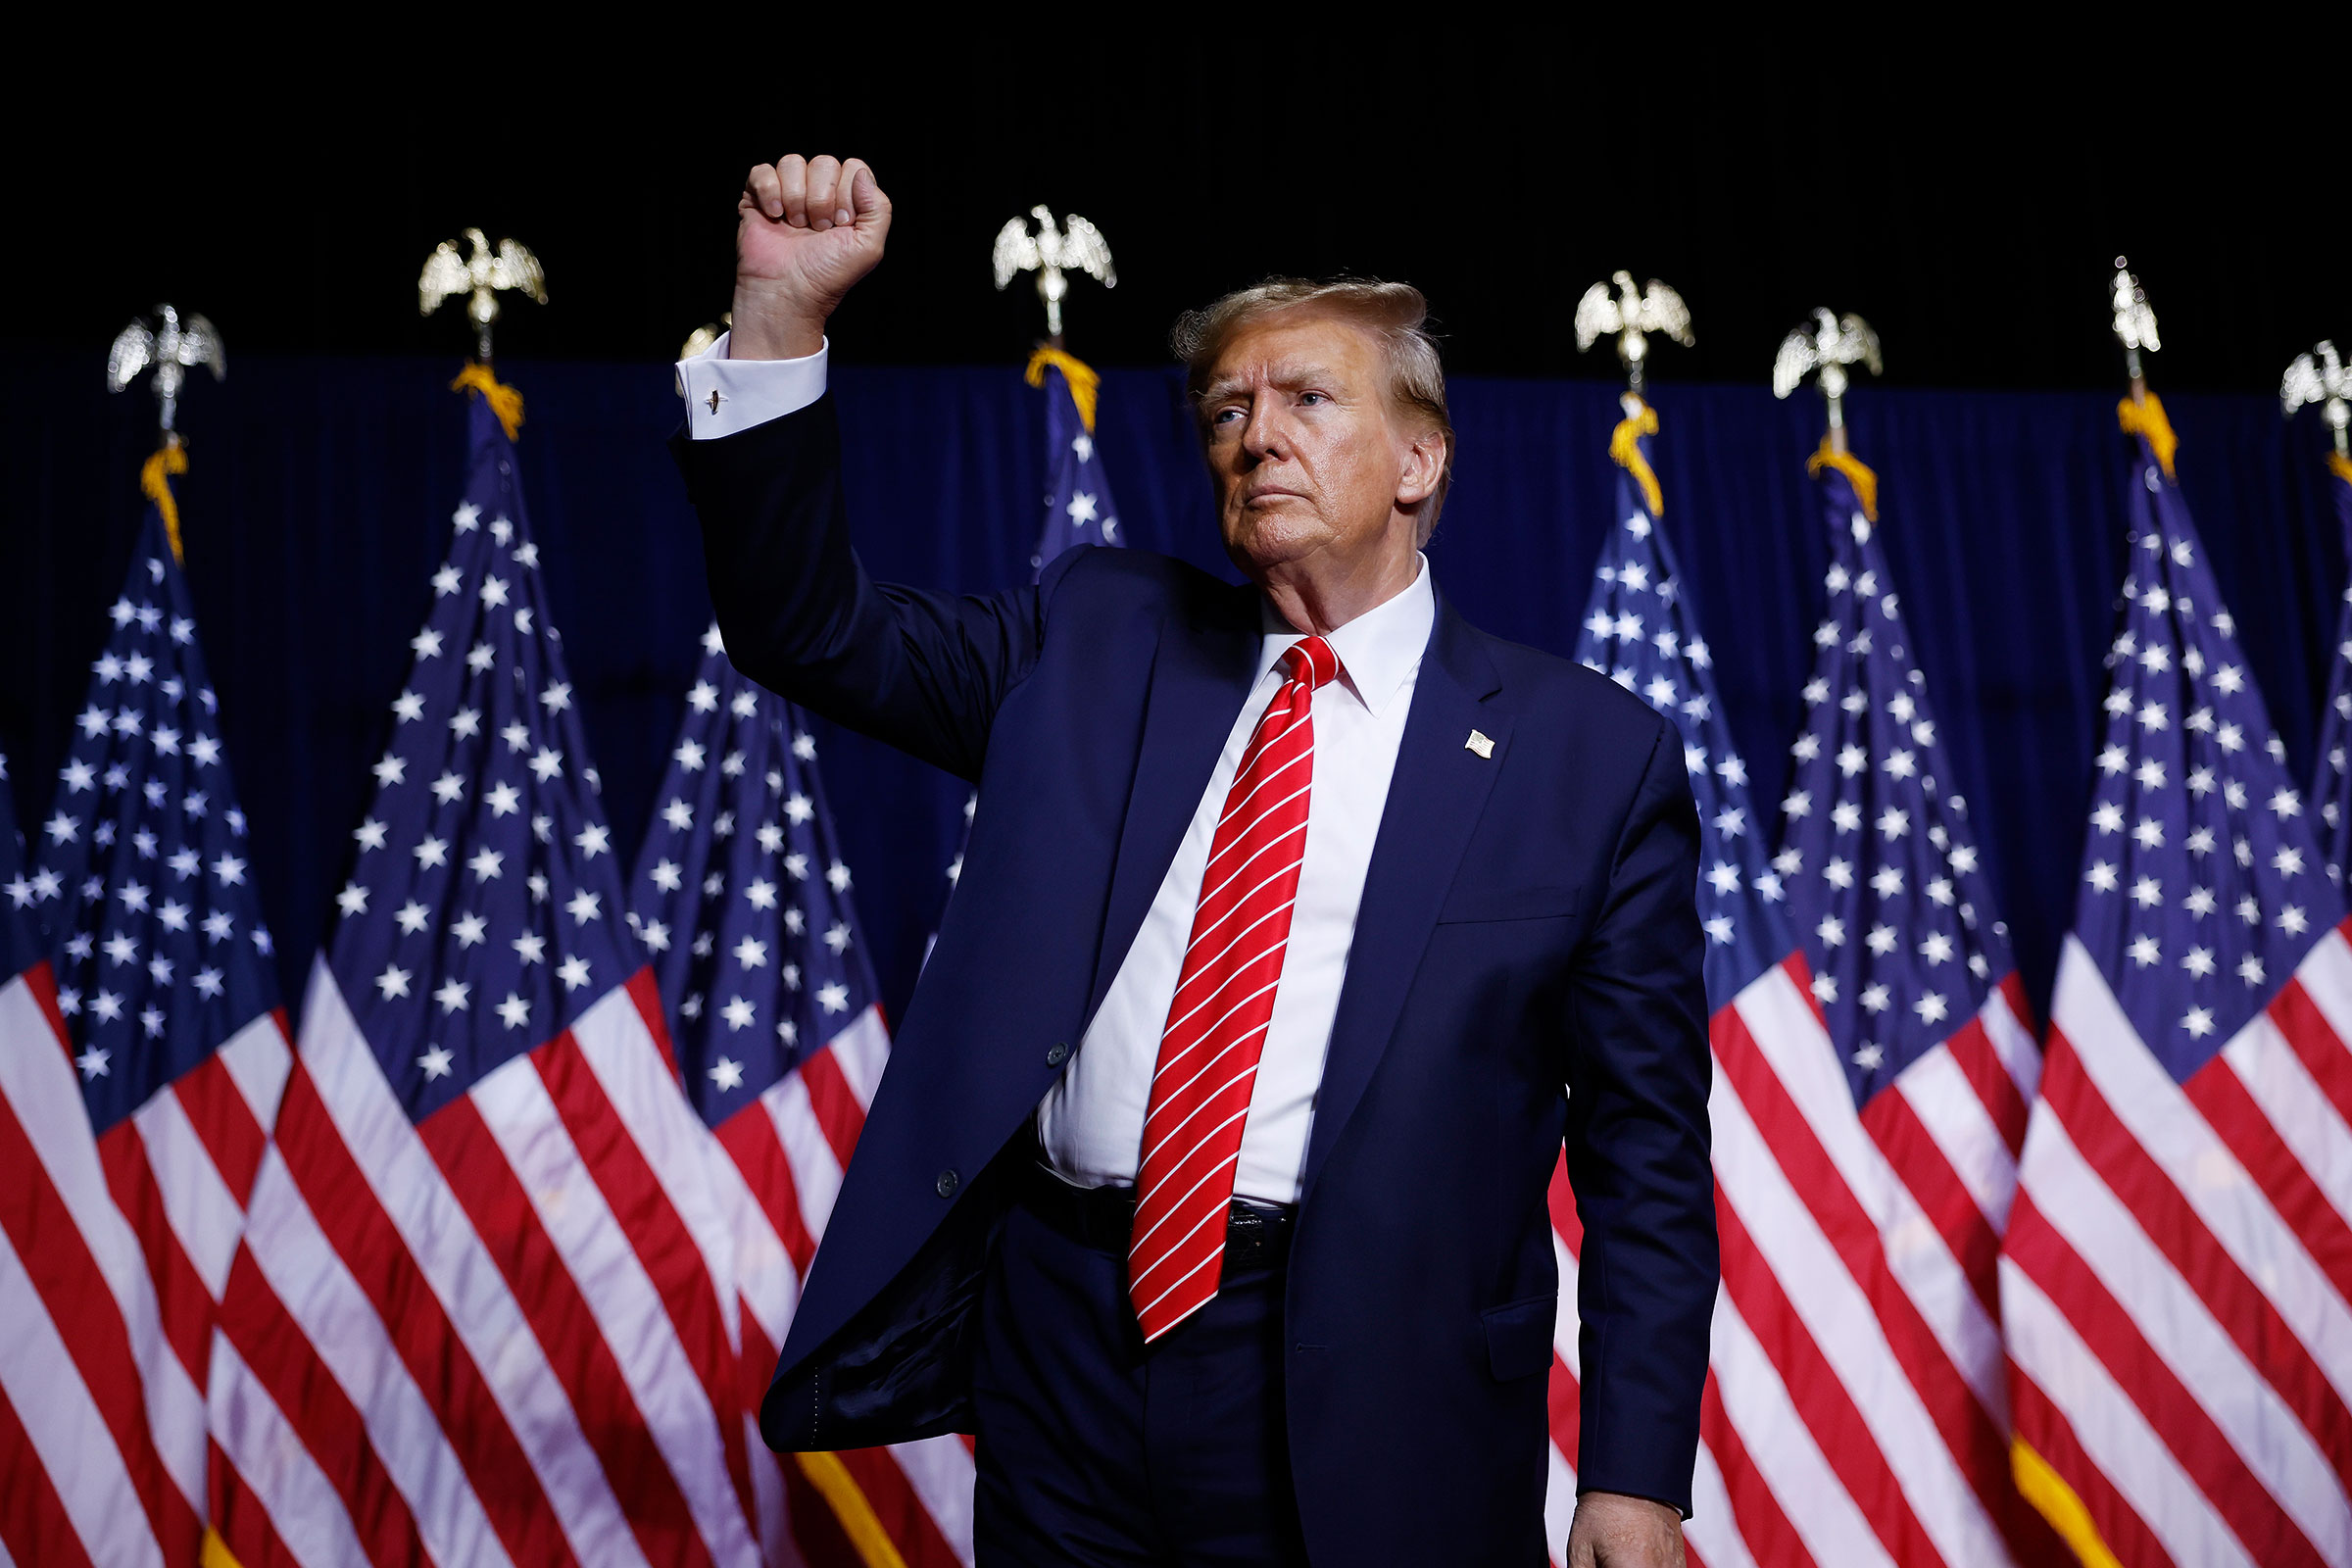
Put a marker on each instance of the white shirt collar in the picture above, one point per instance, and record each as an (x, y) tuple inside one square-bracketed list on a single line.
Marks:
[(1377, 650)]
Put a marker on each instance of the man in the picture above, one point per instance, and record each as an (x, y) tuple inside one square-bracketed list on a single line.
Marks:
[(1299, 925)]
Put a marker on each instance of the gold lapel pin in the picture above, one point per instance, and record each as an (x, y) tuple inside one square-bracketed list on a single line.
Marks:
[(1479, 743)]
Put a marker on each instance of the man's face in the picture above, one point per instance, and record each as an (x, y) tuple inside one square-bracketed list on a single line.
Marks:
[(1308, 457)]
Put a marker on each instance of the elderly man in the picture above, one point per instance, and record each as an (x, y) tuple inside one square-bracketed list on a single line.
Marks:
[(1301, 926)]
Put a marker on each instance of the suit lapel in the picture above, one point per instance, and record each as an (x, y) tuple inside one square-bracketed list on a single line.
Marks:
[(1201, 676), (1435, 797)]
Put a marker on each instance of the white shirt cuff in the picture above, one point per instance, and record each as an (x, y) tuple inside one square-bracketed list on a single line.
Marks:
[(724, 396)]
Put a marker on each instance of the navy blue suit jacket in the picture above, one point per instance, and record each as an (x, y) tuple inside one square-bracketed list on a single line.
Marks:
[(1526, 973)]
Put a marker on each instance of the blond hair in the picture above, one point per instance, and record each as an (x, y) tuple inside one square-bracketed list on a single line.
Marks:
[(1395, 314)]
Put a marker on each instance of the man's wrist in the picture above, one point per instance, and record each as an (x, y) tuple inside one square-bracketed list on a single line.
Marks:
[(1664, 1508), (766, 327)]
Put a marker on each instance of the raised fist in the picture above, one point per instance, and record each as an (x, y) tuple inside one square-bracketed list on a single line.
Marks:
[(807, 228)]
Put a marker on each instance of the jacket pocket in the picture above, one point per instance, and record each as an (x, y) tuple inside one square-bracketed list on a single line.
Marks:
[(1465, 904), (1519, 1336)]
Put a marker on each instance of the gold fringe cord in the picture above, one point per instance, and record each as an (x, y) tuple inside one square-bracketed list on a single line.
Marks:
[(1625, 446), (505, 401), (1858, 474), (216, 1553), (2056, 1502), (1084, 382), (2341, 465), (154, 484), (833, 1481), (2143, 415)]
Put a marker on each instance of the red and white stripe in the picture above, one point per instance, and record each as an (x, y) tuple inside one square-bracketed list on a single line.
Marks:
[(2176, 1275), (1854, 1410), (1224, 1002), (786, 1152), (503, 1335), (114, 1253)]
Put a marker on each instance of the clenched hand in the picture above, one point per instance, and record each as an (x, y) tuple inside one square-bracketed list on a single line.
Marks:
[(806, 229)]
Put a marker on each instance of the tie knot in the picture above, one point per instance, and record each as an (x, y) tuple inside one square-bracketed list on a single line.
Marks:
[(1311, 660)]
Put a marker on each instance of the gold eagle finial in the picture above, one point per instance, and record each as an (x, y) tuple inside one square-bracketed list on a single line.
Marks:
[(1827, 347), (1053, 253), (173, 347), (1631, 314), (480, 278)]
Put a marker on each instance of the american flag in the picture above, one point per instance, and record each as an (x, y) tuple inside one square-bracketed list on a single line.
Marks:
[(2175, 1277), (485, 1311), (1638, 630), (134, 1189), (1925, 1012), (2334, 788), (742, 900), (1079, 510)]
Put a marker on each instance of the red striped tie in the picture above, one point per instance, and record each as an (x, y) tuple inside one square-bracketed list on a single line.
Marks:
[(1224, 1000)]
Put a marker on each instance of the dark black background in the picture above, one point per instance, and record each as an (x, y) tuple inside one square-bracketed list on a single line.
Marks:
[(1964, 185), (1961, 179)]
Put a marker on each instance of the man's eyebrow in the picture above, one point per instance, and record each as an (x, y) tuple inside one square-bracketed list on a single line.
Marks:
[(1289, 375)]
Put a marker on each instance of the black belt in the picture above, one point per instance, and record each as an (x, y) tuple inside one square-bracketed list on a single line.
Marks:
[(1257, 1235)]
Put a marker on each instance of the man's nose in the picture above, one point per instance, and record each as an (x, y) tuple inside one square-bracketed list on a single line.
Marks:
[(1264, 437)]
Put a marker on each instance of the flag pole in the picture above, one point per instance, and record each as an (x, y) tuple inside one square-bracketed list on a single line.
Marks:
[(2134, 327), (1822, 351), (172, 348), (1632, 315), (2140, 413), (480, 279)]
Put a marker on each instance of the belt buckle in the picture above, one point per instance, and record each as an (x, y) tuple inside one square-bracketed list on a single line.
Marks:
[(1246, 1233)]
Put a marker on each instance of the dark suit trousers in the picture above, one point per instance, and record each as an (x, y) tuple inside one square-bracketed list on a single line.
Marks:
[(1095, 1449)]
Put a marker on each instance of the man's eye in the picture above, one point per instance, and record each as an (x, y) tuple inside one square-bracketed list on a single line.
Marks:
[(1225, 416), (1310, 399)]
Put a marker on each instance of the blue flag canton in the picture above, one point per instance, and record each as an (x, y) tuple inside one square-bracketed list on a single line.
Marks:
[(1079, 510), (1885, 884), (2332, 789), (2202, 885), (1637, 631), (142, 880), (741, 896), (19, 949), (483, 914)]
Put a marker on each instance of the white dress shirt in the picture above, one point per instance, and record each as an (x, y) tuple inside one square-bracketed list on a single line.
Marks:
[(1091, 1121)]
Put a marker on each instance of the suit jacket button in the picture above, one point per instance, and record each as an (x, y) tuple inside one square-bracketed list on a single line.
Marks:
[(947, 1182), (1059, 1054)]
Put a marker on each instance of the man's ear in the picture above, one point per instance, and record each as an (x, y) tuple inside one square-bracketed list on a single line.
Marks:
[(1424, 466)]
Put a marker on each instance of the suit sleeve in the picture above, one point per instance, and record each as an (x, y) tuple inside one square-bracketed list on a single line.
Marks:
[(1638, 1151), (924, 671)]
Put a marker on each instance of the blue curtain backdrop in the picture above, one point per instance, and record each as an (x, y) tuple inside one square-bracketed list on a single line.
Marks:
[(320, 491)]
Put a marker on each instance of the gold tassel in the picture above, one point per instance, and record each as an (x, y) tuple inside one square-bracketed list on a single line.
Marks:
[(505, 401), (1084, 382), (155, 485), (1625, 446), (867, 1531), (1857, 471), (2046, 1490), (2341, 465), (2143, 415)]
